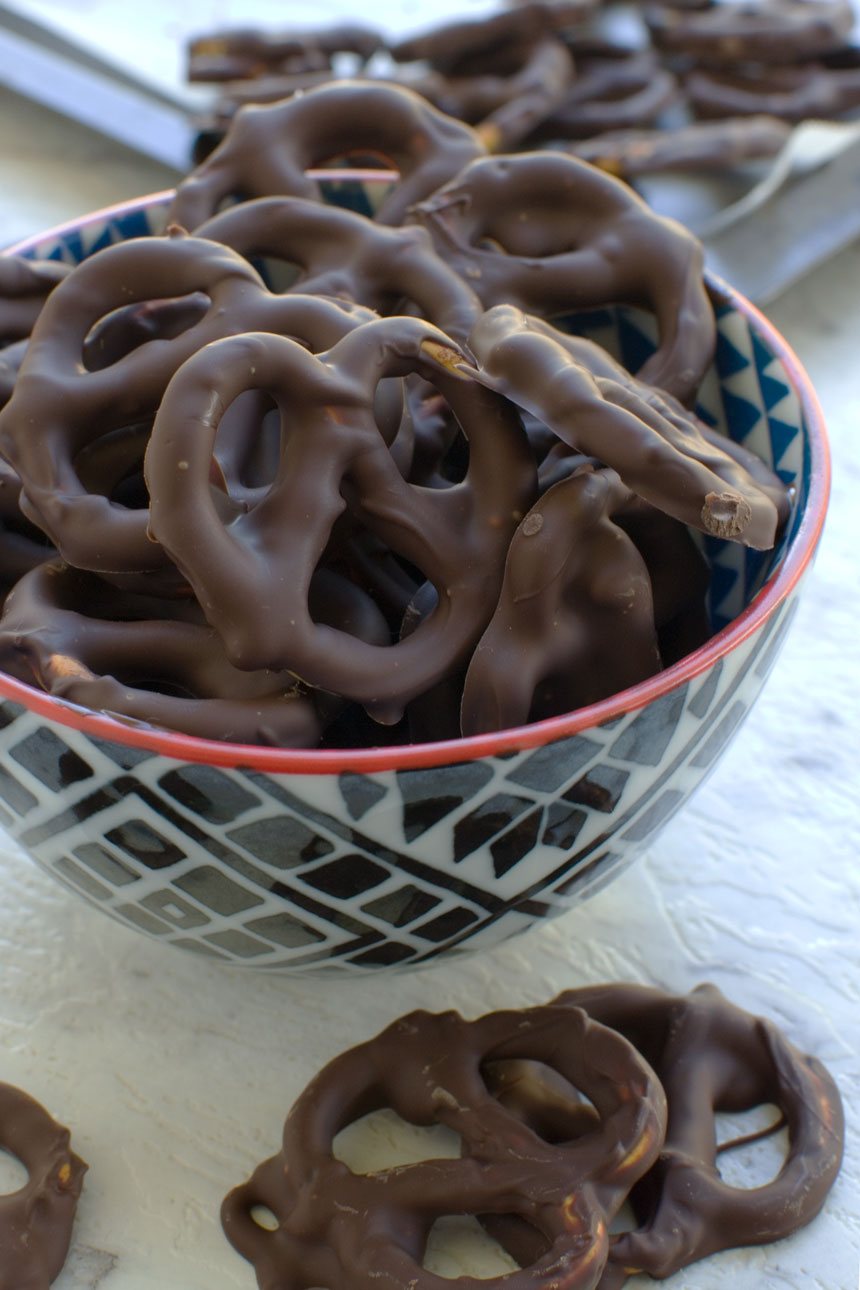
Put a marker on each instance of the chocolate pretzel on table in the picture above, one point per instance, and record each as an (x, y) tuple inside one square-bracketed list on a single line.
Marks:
[(710, 1056), (36, 1220), (339, 1229)]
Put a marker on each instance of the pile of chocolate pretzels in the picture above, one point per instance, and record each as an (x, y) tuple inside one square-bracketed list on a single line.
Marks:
[(674, 85), (385, 498)]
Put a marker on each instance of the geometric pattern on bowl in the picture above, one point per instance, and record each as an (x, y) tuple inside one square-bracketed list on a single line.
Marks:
[(367, 869)]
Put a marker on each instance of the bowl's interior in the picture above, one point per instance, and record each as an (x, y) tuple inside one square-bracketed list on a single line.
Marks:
[(755, 392)]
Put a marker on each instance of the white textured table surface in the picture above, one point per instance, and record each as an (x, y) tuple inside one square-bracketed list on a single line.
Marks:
[(175, 1074)]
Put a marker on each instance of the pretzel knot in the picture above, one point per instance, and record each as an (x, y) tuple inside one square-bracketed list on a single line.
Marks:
[(339, 1229), (268, 149), (552, 234), (36, 1221), (712, 1056), (252, 575), (216, 291)]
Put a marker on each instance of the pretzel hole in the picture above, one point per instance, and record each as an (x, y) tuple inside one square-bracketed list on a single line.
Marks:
[(459, 1246), (752, 1146), (123, 330), (383, 1140), (13, 1174)]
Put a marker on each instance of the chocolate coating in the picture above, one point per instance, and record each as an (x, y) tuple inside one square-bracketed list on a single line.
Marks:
[(25, 284), (346, 255), (36, 1221), (339, 1229), (610, 94), (700, 146), (551, 234), (660, 451), (253, 577), (267, 150), (71, 405), (575, 619), (767, 31), (793, 93), (159, 662), (712, 1056)]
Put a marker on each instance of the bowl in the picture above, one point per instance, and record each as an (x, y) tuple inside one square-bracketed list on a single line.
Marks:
[(381, 858)]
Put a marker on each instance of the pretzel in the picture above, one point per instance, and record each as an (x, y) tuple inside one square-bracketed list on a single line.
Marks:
[(246, 53), (551, 234), (339, 1229), (763, 31), (157, 661), (712, 1056), (679, 577), (575, 619), (661, 452), (11, 358), (24, 286), (253, 576), (71, 405), (471, 46), (340, 253), (812, 90), (36, 1221), (610, 94), (267, 150), (22, 546), (506, 105), (700, 146)]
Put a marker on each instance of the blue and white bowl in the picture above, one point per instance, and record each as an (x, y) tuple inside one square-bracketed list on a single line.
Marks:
[(358, 861)]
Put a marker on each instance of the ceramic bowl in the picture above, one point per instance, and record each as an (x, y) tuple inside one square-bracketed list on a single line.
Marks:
[(375, 859)]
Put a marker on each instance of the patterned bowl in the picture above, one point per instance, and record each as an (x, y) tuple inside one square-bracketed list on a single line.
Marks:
[(355, 861)]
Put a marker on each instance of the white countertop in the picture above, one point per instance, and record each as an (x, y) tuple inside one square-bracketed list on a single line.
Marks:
[(175, 1074)]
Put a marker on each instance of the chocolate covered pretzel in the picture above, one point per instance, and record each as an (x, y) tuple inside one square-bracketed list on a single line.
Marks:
[(793, 93), (552, 234), (253, 576), (472, 46), (712, 1056), (248, 52), (25, 284), (268, 149), (343, 254), (158, 661), (757, 31), (36, 1220), (575, 619), (701, 146), (660, 451), (339, 1229), (609, 94), (71, 405)]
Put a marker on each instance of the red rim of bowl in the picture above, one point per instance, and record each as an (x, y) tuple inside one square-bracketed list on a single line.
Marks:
[(446, 752)]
